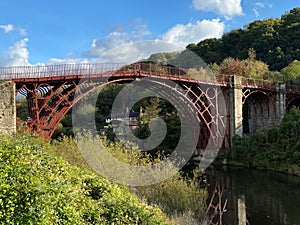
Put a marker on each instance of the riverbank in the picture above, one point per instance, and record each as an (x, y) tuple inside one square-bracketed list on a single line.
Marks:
[(286, 169), (39, 188), (276, 149), (181, 198)]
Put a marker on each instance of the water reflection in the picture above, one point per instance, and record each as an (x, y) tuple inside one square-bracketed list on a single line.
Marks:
[(270, 198)]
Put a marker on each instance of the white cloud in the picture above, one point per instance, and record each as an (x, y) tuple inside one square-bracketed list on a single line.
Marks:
[(127, 48), (183, 35), (124, 45), (115, 47), (129, 52), (22, 32), (10, 28), (55, 61), (16, 55), (7, 28), (124, 34), (256, 12), (111, 41), (226, 8), (260, 4)]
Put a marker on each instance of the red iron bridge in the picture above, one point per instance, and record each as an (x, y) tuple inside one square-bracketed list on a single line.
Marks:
[(233, 104)]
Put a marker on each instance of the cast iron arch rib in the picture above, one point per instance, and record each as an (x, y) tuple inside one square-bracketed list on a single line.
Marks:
[(55, 103)]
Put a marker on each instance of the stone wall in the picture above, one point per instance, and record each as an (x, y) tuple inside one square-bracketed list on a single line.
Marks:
[(236, 106), (261, 113), (7, 107)]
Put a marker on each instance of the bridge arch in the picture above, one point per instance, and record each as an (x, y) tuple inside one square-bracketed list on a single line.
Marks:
[(50, 93), (259, 110), (293, 102), (50, 100)]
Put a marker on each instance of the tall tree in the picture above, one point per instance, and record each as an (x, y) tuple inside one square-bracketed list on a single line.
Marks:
[(276, 42), (291, 72)]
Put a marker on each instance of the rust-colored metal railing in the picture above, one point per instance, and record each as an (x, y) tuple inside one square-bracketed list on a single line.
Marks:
[(42, 71), (257, 83), (291, 88), (140, 68)]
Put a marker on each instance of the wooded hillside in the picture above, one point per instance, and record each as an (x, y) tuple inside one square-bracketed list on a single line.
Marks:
[(275, 41)]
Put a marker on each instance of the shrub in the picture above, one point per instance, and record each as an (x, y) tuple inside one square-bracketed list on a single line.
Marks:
[(176, 196), (38, 188), (277, 148)]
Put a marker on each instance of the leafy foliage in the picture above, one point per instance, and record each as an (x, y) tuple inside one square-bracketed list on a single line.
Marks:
[(22, 112), (38, 188), (275, 41), (249, 67), (231, 66), (177, 196), (162, 58), (291, 72), (277, 148), (155, 107)]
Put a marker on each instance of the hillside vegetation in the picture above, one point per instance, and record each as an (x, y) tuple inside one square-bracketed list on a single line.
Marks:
[(39, 188), (263, 49), (276, 149), (182, 198), (50, 183), (275, 41)]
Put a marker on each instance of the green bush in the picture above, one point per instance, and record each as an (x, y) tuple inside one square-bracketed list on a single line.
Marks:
[(176, 196), (38, 188), (277, 148)]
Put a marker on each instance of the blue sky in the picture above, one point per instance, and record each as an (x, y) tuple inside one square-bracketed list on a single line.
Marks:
[(39, 32)]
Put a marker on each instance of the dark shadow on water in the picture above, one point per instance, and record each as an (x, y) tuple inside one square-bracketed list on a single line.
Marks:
[(271, 198)]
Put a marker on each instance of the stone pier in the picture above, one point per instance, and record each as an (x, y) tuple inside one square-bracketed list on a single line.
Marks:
[(260, 110), (236, 106), (280, 100), (7, 107)]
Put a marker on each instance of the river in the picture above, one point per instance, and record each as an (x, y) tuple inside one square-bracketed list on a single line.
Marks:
[(270, 198)]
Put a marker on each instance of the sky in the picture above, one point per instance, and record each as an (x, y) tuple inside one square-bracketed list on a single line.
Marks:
[(63, 31)]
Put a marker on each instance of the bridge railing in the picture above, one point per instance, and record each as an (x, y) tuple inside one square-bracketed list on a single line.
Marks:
[(151, 69), (257, 83), (111, 69), (40, 71), (292, 88), (175, 72)]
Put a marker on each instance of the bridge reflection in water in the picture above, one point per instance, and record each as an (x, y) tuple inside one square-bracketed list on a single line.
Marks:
[(249, 105), (270, 198)]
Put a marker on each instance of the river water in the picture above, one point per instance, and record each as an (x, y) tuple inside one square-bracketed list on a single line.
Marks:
[(270, 198)]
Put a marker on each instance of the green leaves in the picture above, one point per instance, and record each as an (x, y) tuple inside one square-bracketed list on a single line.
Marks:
[(291, 72), (276, 42), (277, 148), (38, 188), (177, 196)]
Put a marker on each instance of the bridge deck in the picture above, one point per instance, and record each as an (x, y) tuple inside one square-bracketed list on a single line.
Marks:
[(40, 73)]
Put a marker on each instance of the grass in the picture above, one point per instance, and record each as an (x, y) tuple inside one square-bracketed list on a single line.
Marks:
[(37, 187), (178, 196)]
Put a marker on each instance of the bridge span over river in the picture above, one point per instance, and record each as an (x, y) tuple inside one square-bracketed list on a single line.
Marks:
[(250, 104)]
